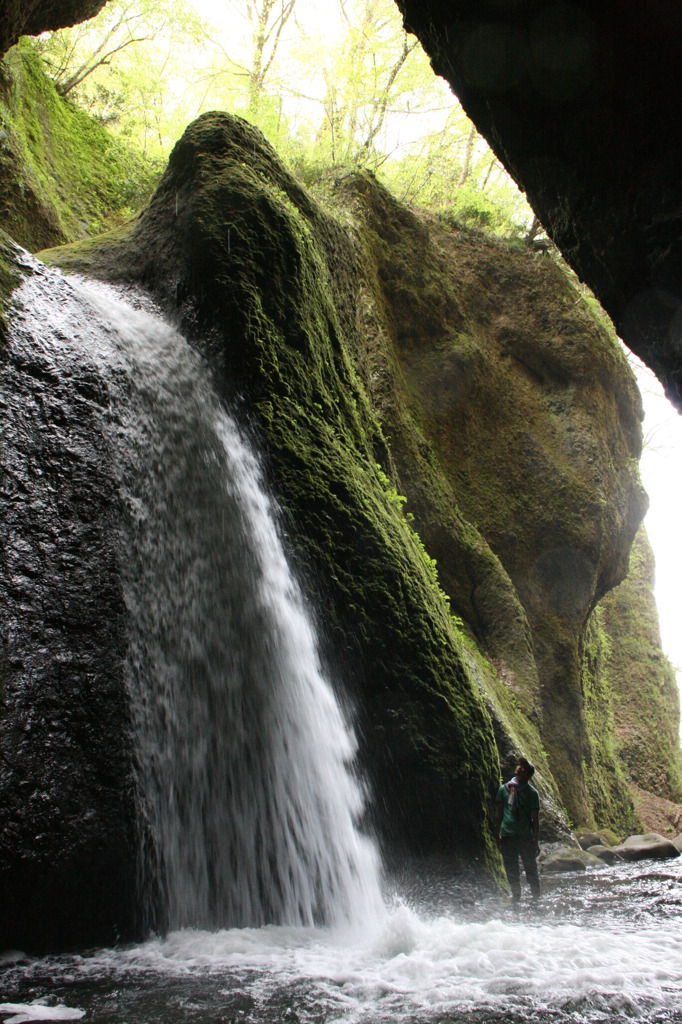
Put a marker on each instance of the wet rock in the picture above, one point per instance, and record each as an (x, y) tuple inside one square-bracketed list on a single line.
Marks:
[(650, 846), (589, 839), (565, 859), (67, 871), (604, 853)]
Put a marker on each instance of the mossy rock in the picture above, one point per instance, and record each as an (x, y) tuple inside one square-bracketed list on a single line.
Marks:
[(602, 837), (515, 428), (605, 854), (566, 860), (263, 280), (63, 176), (641, 681)]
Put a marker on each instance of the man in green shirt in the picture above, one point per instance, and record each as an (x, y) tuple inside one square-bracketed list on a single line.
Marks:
[(518, 824)]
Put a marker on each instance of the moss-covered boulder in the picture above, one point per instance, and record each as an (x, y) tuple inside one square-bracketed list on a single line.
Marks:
[(563, 860), (62, 175)]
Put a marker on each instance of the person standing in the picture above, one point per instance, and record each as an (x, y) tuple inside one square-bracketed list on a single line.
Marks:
[(518, 824)]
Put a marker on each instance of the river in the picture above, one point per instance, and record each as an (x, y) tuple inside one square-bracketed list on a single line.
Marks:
[(604, 946)]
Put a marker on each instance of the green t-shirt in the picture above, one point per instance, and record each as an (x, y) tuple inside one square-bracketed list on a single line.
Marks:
[(516, 821)]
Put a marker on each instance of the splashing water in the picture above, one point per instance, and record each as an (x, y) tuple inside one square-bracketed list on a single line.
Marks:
[(243, 759), (603, 947), (243, 753)]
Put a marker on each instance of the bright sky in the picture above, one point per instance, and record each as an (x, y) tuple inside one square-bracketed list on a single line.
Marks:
[(661, 469)]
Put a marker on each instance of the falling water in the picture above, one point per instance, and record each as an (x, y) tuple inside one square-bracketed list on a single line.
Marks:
[(244, 771), (244, 756)]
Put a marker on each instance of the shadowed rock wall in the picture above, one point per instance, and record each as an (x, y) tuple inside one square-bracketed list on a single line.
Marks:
[(67, 819), (580, 102), (24, 18)]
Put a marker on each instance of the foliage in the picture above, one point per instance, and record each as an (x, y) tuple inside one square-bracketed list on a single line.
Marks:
[(120, 67), (352, 90), (63, 175)]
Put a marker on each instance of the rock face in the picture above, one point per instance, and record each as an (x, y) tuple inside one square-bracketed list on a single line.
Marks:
[(638, 680), (18, 18), (399, 373), (503, 404), (579, 102), (264, 280), (67, 862), (62, 175), (533, 419)]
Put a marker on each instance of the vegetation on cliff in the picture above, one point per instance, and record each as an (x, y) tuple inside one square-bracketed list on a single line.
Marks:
[(646, 700), (62, 175), (383, 352)]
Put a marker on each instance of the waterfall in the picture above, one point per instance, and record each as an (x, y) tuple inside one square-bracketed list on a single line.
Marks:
[(244, 757)]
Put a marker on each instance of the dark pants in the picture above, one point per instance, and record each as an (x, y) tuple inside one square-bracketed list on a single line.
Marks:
[(514, 848)]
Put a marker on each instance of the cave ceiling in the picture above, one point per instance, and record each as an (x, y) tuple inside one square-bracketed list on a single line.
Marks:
[(31, 17), (580, 102)]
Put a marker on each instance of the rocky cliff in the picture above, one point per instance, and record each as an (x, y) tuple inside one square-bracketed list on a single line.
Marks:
[(510, 420), (420, 392), (62, 175), (579, 101)]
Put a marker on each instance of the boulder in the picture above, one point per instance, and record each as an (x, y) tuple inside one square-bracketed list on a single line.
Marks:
[(568, 859), (650, 846), (605, 854), (587, 840)]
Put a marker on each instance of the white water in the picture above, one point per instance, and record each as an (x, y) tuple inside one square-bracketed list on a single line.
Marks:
[(248, 803), (604, 947), (244, 751)]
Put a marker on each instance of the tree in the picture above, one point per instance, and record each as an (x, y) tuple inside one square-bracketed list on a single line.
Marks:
[(355, 90), (120, 65)]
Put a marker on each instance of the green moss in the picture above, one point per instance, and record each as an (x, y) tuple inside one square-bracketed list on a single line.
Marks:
[(266, 282), (642, 681), (514, 427), (606, 782), (10, 277), (62, 175)]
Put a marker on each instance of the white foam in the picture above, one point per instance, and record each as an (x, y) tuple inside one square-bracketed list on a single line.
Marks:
[(21, 1012), (412, 964)]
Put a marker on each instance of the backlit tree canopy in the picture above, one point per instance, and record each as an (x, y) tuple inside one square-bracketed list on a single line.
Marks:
[(339, 83)]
